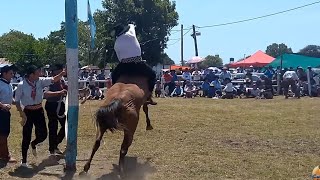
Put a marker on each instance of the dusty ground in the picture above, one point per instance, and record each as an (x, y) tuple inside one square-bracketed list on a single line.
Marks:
[(195, 139)]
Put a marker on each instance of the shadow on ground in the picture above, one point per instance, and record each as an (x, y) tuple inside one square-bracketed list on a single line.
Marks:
[(133, 170), (30, 172)]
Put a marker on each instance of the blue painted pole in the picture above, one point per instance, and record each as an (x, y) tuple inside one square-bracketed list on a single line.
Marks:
[(72, 70)]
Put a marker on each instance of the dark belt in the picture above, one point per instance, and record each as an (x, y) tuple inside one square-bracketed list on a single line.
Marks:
[(132, 59), (34, 107)]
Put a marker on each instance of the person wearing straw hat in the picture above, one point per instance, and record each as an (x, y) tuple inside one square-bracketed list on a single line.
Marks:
[(55, 109), (6, 100), (29, 94), (128, 51)]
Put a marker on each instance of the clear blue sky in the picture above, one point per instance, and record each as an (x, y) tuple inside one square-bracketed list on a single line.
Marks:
[(297, 28)]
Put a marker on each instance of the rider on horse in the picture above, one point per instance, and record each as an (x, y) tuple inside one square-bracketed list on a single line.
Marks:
[(128, 51)]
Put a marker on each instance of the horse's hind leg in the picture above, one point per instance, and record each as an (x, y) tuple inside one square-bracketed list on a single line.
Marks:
[(146, 111), (127, 141), (95, 148)]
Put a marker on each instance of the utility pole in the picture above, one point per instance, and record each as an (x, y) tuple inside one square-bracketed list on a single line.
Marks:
[(194, 35), (182, 61)]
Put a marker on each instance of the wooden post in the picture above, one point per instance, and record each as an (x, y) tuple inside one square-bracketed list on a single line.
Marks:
[(71, 18), (195, 40)]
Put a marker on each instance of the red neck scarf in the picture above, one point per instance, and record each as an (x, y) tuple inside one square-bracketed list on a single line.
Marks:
[(34, 89)]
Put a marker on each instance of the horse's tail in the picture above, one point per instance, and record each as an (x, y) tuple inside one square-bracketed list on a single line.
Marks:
[(107, 116)]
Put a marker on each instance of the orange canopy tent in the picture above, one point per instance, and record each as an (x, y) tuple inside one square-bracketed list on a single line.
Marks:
[(175, 67), (258, 59)]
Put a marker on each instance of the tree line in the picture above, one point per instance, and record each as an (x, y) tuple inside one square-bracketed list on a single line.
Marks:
[(154, 20)]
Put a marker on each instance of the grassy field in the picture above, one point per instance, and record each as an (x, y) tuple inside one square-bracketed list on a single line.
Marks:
[(196, 139)]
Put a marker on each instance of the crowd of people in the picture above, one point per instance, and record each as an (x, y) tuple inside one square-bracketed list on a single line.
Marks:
[(222, 83)]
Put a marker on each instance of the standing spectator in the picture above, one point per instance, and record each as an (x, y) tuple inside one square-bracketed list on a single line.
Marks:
[(186, 75), (269, 72), (290, 78), (29, 93), (225, 74), (6, 99), (167, 80), (92, 83), (101, 76), (173, 81), (55, 109), (196, 75), (210, 76), (205, 87)]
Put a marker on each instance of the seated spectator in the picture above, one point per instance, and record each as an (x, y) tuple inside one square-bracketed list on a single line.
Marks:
[(228, 89), (189, 90), (178, 91), (217, 85), (98, 94), (241, 91), (255, 92)]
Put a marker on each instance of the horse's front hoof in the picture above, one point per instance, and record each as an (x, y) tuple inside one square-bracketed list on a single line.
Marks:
[(149, 128), (86, 168)]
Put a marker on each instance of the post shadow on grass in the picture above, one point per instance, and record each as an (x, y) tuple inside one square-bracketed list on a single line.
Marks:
[(24, 172), (133, 170)]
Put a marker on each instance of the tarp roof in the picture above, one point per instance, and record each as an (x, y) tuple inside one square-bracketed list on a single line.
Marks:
[(295, 60), (258, 59)]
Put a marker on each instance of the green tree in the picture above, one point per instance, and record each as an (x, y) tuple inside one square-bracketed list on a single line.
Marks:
[(276, 50), (211, 61), (310, 50), (20, 48), (166, 59), (153, 19)]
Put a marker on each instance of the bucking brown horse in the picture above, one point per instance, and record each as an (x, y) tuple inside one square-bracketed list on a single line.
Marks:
[(120, 111)]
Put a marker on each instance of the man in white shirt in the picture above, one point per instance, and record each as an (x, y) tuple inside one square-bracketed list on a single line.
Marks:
[(196, 75), (128, 51), (29, 93), (6, 99), (290, 78)]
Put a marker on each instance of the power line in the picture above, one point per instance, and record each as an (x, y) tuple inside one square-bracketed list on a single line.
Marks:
[(179, 38), (259, 17)]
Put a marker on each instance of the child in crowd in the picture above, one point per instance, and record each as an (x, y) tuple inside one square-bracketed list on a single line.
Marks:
[(217, 87), (178, 91), (189, 90), (158, 88), (228, 89)]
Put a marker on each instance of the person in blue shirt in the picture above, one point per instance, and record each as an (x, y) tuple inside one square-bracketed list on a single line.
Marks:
[(269, 72), (205, 87), (178, 91), (217, 86)]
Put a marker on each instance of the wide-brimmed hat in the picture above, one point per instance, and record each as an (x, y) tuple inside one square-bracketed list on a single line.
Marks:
[(56, 67), (119, 29), (7, 68), (31, 69)]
